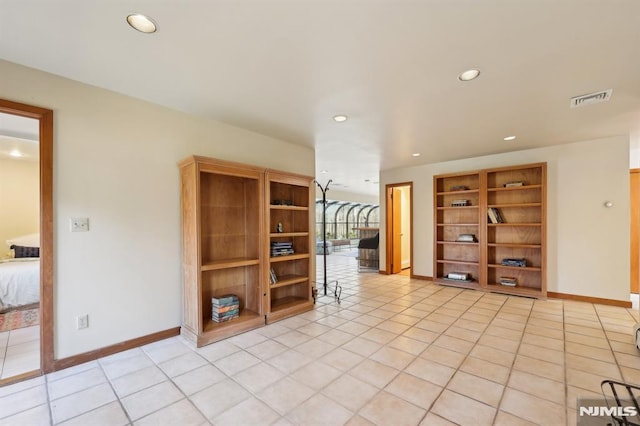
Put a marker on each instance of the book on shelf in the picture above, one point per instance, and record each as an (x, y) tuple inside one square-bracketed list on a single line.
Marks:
[(281, 248), (494, 215), (460, 203), (467, 238), (514, 183), (459, 188), (459, 276), (519, 262), (509, 281), (225, 300), (272, 276), (216, 310)]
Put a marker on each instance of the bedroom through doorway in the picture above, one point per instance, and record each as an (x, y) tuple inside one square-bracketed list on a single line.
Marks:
[(20, 351)]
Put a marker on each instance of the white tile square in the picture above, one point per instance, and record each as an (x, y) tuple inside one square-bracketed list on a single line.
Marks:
[(151, 399)]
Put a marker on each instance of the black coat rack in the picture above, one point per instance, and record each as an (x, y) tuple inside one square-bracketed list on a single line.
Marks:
[(337, 289)]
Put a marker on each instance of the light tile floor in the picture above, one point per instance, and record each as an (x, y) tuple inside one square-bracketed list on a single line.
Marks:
[(394, 352), (19, 351)]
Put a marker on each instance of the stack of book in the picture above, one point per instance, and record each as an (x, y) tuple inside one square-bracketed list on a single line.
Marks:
[(225, 308), (283, 248), (510, 261), (494, 215), (459, 276), (510, 281)]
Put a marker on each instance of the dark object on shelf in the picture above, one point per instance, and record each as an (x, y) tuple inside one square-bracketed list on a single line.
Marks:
[(279, 228), (459, 276), (281, 248), (510, 281), (459, 188), (513, 183), (519, 262), (467, 238), (494, 215), (460, 203), (282, 202)]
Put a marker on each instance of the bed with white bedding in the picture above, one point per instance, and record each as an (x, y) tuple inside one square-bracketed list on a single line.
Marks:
[(19, 282)]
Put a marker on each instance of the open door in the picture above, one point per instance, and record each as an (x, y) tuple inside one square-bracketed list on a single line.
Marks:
[(399, 225)]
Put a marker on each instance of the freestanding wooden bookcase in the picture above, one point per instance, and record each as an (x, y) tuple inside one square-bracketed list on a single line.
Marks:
[(291, 205), (519, 194), (227, 231)]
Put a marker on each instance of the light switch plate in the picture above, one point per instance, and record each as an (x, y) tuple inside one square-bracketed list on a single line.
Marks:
[(79, 224)]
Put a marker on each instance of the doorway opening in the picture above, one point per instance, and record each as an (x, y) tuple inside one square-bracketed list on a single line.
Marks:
[(399, 228), (22, 245)]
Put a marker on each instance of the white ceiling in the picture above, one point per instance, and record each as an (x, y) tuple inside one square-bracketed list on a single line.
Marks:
[(284, 68)]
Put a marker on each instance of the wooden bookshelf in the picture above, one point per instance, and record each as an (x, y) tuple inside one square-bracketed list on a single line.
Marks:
[(519, 195)]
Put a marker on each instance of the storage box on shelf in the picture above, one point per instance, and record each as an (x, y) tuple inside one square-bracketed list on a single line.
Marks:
[(289, 221), (510, 223)]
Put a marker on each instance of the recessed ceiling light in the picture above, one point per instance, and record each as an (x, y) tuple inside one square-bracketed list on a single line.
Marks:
[(509, 138), (324, 171), (142, 23), (469, 75), (16, 153), (415, 154), (340, 118)]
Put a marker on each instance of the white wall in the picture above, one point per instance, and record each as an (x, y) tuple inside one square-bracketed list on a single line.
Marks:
[(115, 162), (19, 200), (337, 195), (588, 244)]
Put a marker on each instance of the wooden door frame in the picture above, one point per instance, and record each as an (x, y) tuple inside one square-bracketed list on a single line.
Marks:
[(45, 118), (634, 232), (389, 224)]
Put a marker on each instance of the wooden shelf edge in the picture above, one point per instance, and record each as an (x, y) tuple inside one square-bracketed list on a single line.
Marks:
[(458, 262), (538, 224), (288, 234), (466, 191), (506, 206), (472, 285), (294, 208), (229, 263), (516, 268), (462, 243), (515, 245), (213, 332), (517, 290), (515, 188), (456, 207), (289, 257), (288, 280), (458, 224)]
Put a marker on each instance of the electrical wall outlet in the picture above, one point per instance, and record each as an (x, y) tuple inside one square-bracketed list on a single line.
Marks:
[(79, 224), (82, 321)]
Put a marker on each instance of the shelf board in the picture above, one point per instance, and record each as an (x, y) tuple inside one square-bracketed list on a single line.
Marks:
[(515, 224), (516, 268), (456, 207), (281, 207), (466, 191), (289, 257), (502, 206), (286, 303), (457, 224), (288, 234), (287, 280), (517, 290), (515, 188), (460, 243), (229, 263), (515, 245), (453, 283), (458, 262), (245, 315)]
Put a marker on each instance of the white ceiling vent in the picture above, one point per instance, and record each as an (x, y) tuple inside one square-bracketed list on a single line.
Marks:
[(591, 98)]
